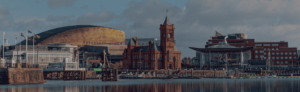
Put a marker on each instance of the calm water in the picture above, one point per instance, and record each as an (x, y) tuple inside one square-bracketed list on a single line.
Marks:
[(161, 85)]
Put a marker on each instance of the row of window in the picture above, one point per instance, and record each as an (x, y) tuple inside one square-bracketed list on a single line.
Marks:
[(145, 65), (261, 56), (155, 57), (282, 62), (277, 53), (286, 53), (266, 45)]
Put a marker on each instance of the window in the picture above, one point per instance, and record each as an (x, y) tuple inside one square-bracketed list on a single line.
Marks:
[(256, 56), (52, 49), (264, 53), (133, 64), (295, 57), (286, 58), (274, 44), (272, 48), (268, 48), (290, 57), (237, 46), (285, 53), (277, 53), (247, 41), (170, 35), (273, 63), (281, 62), (273, 58), (277, 62), (277, 57), (290, 53), (258, 45), (266, 44), (261, 56), (273, 53), (286, 62), (277, 49), (264, 48), (63, 49), (261, 51), (242, 46), (281, 53), (281, 57), (295, 53), (163, 35), (256, 51)]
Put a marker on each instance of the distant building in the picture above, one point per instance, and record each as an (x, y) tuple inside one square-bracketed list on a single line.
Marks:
[(53, 53), (152, 56), (280, 54), (95, 52), (66, 43)]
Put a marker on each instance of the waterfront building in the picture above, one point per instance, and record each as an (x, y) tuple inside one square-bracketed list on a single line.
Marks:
[(276, 53), (93, 53), (151, 55), (66, 42), (42, 55), (222, 55)]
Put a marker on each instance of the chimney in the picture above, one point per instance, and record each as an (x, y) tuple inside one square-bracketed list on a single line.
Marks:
[(136, 41), (150, 45)]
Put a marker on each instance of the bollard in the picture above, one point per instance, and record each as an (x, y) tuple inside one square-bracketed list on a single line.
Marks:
[(155, 73), (191, 73)]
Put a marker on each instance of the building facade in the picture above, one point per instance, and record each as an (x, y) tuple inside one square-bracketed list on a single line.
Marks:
[(154, 56), (277, 53)]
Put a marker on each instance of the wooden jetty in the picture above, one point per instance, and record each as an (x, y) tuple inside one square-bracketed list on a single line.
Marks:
[(110, 74), (60, 71)]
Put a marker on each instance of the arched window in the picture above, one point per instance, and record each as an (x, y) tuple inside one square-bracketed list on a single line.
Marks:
[(169, 35)]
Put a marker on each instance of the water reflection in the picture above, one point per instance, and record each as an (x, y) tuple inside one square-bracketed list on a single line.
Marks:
[(203, 85)]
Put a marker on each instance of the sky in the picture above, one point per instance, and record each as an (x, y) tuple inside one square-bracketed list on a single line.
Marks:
[(195, 21)]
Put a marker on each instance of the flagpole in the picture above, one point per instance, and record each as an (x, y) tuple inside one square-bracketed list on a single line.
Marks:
[(3, 49), (26, 49), (20, 43), (33, 49)]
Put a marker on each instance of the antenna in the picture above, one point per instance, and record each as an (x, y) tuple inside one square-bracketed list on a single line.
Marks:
[(167, 12)]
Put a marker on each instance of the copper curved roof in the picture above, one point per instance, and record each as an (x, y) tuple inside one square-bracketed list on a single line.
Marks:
[(52, 32)]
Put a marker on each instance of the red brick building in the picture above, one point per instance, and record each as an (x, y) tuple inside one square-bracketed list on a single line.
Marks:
[(280, 53), (153, 56)]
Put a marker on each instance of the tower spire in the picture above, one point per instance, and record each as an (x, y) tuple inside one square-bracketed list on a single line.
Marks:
[(167, 21)]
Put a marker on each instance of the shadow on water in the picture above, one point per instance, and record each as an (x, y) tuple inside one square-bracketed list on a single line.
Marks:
[(160, 85)]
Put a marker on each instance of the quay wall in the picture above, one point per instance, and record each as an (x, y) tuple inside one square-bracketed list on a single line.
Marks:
[(21, 76)]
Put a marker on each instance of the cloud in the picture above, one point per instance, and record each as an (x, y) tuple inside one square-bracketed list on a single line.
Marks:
[(52, 18), (195, 23), (44, 24), (5, 18), (84, 7), (263, 20), (60, 3), (90, 17)]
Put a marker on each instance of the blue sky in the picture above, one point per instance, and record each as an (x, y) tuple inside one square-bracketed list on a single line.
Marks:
[(195, 20)]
